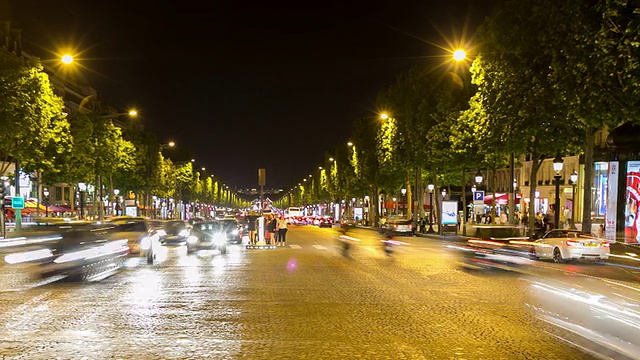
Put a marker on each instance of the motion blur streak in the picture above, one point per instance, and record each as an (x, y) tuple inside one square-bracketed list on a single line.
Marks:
[(27, 256), (25, 241), (107, 249), (609, 324)]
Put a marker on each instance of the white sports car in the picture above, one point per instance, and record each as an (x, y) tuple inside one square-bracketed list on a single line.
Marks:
[(561, 245)]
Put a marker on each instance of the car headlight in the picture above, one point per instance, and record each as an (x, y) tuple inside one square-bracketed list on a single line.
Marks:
[(219, 238), (145, 243), (234, 232), (192, 239), (162, 232), (184, 232)]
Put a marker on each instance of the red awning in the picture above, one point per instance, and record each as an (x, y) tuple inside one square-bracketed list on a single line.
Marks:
[(54, 208), (501, 198)]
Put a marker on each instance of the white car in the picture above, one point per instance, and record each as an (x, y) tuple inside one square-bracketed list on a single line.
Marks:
[(562, 245)]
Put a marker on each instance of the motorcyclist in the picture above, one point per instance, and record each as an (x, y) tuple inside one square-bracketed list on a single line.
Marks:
[(388, 243), (344, 239)]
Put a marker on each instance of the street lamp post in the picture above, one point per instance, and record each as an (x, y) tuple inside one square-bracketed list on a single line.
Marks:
[(46, 202), (404, 202), (574, 179), (154, 198), (478, 179), (82, 187), (430, 187), (557, 167)]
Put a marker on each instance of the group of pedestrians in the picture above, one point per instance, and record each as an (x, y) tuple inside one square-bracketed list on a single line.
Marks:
[(275, 229)]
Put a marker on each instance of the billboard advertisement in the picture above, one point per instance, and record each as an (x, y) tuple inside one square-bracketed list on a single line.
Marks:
[(611, 201), (449, 213), (632, 196)]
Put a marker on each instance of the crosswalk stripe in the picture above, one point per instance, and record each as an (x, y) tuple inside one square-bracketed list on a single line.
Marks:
[(319, 247), (294, 246)]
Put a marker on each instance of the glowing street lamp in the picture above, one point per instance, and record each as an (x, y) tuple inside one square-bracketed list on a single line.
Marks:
[(459, 55), (67, 59), (558, 163), (133, 112), (574, 179), (384, 116)]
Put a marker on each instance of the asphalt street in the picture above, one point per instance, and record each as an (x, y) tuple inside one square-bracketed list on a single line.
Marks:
[(302, 301)]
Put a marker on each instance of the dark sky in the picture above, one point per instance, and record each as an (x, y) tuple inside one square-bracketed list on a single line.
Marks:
[(245, 85)]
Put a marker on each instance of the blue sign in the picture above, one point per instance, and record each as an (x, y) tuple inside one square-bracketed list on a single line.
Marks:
[(478, 195), (17, 203)]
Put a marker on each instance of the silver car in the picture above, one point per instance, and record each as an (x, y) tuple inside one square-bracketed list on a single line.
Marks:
[(564, 245)]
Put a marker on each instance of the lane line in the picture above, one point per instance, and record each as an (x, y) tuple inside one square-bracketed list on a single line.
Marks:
[(320, 247), (294, 246)]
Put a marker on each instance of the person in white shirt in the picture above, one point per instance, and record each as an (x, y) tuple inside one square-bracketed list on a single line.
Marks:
[(282, 231)]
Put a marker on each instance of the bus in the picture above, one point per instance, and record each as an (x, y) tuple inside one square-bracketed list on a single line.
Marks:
[(294, 212)]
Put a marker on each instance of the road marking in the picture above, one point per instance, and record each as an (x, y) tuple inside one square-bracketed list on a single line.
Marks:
[(319, 247), (294, 246)]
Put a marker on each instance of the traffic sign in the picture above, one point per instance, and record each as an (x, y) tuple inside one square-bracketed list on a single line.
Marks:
[(478, 196), (17, 202)]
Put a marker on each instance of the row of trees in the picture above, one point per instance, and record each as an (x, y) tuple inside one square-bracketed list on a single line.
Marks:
[(544, 77), (86, 146)]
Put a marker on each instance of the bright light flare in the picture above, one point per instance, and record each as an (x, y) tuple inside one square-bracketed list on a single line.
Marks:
[(133, 112), (67, 59), (459, 55), (384, 116)]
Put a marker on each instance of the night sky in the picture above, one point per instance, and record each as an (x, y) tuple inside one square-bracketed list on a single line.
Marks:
[(247, 85)]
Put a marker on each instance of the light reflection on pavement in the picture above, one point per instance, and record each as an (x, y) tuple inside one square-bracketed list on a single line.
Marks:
[(301, 301)]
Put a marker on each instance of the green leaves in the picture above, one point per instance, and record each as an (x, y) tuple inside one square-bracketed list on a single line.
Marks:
[(32, 127)]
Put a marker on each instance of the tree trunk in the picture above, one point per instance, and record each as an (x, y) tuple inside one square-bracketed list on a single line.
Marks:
[(374, 202), (408, 200), (587, 179), (512, 190), (533, 179), (491, 184), (419, 194), (463, 221)]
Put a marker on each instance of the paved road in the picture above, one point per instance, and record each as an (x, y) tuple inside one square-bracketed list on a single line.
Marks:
[(303, 301)]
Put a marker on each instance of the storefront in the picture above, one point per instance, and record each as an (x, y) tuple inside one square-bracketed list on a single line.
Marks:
[(623, 185)]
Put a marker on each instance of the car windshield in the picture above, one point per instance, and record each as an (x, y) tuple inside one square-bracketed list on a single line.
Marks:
[(212, 226)]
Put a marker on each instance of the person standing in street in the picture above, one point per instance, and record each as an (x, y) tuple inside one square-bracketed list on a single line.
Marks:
[(282, 231)]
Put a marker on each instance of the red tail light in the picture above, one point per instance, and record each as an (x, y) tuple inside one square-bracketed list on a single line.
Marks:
[(605, 244), (572, 243)]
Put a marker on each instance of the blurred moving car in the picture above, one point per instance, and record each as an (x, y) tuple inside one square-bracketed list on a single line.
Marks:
[(233, 230), (500, 254), (565, 245), (348, 222), (88, 253), (142, 237), (173, 232), (208, 235), (325, 221), (625, 255), (398, 226)]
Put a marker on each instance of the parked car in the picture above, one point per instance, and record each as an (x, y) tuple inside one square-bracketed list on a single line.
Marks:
[(208, 235), (564, 245), (398, 226)]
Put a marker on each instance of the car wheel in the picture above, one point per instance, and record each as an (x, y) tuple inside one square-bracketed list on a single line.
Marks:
[(557, 255), (150, 258), (223, 250)]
